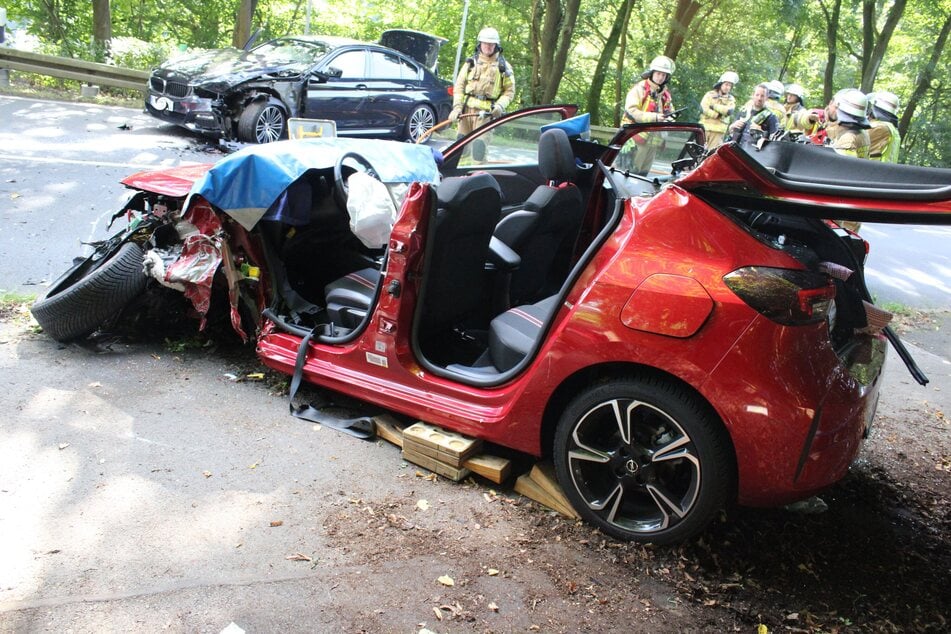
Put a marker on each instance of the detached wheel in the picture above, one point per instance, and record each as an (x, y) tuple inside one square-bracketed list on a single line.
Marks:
[(643, 460), (420, 121), (91, 292), (262, 122)]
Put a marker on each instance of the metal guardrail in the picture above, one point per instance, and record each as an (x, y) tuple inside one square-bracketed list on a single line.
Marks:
[(80, 70)]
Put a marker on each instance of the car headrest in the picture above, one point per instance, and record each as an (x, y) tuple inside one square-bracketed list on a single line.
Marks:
[(555, 157), (455, 189)]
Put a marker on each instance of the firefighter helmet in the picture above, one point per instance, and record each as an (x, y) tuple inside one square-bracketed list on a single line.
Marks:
[(489, 35), (852, 103), (728, 76), (774, 89), (663, 64), (885, 101), (798, 91)]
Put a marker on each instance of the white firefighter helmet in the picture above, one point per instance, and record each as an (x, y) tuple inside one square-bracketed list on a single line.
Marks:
[(885, 101), (663, 64), (729, 76), (853, 104), (489, 35), (799, 91), (775, 89)]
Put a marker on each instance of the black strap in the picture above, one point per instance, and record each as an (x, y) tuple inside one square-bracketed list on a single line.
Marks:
[(362, 427)]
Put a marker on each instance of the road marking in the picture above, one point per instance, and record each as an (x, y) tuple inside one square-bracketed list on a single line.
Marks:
[(65, 161)]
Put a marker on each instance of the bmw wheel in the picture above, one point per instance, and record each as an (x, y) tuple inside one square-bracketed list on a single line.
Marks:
[(420, 121), (262, 122), (643, 460)]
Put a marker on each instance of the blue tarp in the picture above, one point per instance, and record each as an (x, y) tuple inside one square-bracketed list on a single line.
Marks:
[(245, 184)]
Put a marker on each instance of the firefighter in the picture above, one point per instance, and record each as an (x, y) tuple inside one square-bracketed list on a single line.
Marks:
[(795, 115), (716, 108), (649, 101), (774, 92), (846, 123), (755, 120), (485, 85), (884, 140)]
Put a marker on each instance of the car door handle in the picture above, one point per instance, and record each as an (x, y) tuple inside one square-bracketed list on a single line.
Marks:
[(361, 86)]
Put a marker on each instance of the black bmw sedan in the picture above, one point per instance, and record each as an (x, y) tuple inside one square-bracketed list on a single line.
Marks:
[(381, 90)]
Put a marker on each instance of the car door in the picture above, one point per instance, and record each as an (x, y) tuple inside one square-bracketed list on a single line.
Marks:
[(393, 88), (338, 89)]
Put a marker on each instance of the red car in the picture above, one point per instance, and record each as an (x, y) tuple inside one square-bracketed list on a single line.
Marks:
[(677, 331)]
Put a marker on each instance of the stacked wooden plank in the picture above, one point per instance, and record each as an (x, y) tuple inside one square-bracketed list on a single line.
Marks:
[(455, 456)]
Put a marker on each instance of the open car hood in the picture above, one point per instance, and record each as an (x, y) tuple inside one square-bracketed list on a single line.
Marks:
[(814, 181), (245, 184)]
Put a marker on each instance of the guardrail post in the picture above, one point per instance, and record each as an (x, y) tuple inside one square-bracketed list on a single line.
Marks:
[(4, 73)]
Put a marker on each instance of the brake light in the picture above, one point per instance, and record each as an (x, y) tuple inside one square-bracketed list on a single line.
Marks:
[(450, 90), (786, 296)]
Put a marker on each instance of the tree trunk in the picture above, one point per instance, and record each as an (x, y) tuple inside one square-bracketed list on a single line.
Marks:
[(684, 14), (101, 29), (242, 24), (552, 27), (924, 79), (604, 61), (832, 35), (619, 83), (873, 53)]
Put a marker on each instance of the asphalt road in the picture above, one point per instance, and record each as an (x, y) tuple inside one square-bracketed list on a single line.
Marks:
[(143, 489), (60, 166)]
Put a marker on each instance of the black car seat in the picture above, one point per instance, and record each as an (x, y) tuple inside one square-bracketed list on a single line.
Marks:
[(513, 333), (456, 282), (544, 229), (467, 210)]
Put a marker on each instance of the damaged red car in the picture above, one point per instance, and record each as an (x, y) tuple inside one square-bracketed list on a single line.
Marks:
[(678, 331)]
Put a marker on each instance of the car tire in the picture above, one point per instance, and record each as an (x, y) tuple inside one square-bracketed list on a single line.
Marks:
[(262, 122), (420, 121), (91, 292), (644, 460)]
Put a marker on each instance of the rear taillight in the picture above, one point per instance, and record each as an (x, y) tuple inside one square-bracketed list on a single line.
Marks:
[(789, 297)]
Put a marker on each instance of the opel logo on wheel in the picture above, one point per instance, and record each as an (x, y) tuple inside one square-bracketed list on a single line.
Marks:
[(631, 466)]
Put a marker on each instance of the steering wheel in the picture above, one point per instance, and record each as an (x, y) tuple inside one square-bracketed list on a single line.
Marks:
[(341, 190)]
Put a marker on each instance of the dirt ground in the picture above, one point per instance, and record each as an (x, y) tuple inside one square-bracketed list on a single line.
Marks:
[(872, 555)]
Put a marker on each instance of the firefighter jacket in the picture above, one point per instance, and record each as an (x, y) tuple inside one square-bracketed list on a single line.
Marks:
[(716, 111), (796, 117), (481, 84), (646, 102), (849, 140), (777, 109), (884, 141), (763, 120)]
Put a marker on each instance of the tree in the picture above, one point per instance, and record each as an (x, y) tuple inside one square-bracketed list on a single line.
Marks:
[(875, 44), (242, 23), (925, 78), (832, 37), (101, 29), (552, 26), (618, 28)]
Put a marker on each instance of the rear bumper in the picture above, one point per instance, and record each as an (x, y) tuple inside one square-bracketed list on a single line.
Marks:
[(797, 433)]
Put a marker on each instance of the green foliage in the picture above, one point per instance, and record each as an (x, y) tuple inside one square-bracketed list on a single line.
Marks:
[(784, 40)]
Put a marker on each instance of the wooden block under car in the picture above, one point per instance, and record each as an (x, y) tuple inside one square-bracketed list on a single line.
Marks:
[(453, 473), (494, 468), (539, 485), (388, 429), (451, 448)]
